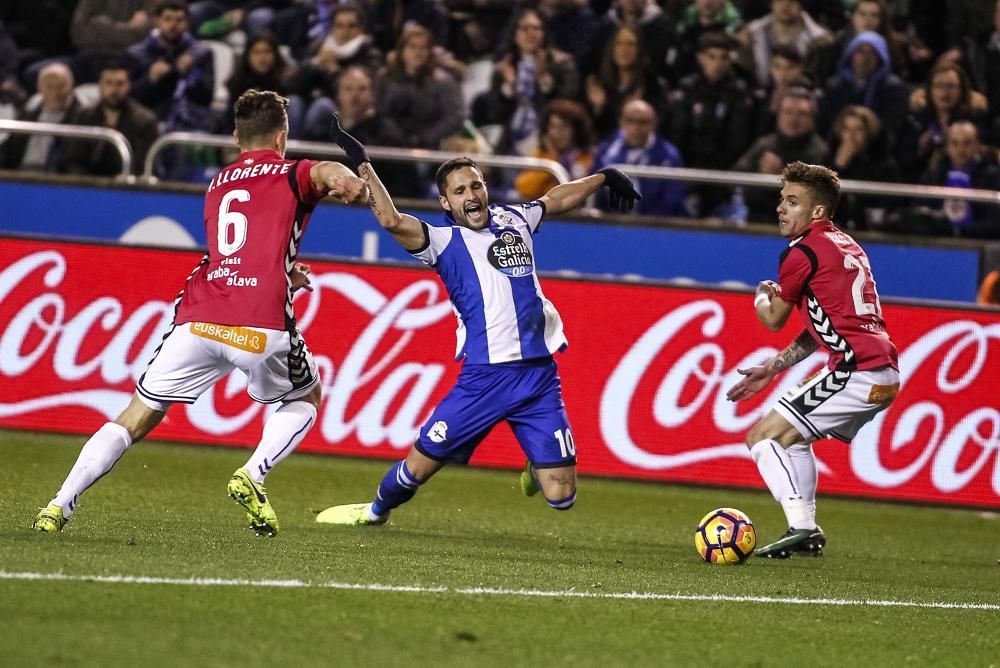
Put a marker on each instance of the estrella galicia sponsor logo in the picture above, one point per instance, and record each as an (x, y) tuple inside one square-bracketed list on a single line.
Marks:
[(510, 254)]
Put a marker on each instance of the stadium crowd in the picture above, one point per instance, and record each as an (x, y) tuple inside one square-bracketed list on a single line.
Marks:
[(886, 90)]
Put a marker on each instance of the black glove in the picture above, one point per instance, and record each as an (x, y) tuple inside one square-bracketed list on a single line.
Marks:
[(354, 149), (621, 191)]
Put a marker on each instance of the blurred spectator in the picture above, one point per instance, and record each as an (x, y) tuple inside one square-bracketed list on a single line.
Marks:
[(787, 71), (525, 79), (356, 108), (865, 79), (946, 97), (656, 30), (711, 115), (263, 67), (215, 18), (103, 28), (56, 104), (478, 26), (390, 18), (858, 151), (637, 143), (786, 24), (118, 111), (345, 45), (982, 60), (966, 20), (572, 27), (867, 16), (175, 76), (625, 74), (12, 95), (700, 17), (41, 30), (963, 163), (565, 137), (420, 102), (795, 139)]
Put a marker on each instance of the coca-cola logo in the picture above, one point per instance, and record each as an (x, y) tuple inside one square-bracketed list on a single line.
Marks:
[(648, 399), (705, 364)]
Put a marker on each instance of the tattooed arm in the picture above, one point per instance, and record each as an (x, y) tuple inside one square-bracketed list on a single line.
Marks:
[(406, 229), (759, 377)]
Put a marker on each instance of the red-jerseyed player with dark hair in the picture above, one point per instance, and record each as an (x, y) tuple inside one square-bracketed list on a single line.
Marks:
[(235, 312), (827, 276)]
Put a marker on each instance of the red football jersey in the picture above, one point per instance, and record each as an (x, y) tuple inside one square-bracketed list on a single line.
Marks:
[(256, 211), (826, 274)]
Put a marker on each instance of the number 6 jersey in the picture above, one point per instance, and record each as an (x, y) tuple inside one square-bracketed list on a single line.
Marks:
[(256, 211), (826, 274)]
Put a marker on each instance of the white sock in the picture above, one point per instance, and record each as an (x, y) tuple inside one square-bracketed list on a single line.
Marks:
[(98, 456), (804, 463), (283, 431), (776, 469)]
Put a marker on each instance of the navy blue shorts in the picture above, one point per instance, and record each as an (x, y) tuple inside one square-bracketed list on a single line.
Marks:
[(527, 395)]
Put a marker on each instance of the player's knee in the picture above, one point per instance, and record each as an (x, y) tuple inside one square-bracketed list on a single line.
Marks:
[(756, 434), (564, 503)]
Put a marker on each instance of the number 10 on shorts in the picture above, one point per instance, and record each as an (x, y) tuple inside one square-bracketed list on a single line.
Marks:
[(566, 446)]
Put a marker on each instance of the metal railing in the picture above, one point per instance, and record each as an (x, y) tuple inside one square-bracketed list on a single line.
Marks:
[(321, 150), (720, 177), (109, 135)]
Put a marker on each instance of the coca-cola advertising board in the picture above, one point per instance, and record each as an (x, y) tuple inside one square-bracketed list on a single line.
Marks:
[(644, 377)]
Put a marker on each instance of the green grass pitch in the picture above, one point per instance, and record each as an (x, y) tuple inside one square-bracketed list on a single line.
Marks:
[(162, 514)]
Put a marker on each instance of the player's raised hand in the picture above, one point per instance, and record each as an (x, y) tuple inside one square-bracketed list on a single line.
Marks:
[(354, 149), (756, 379), (622, 194)]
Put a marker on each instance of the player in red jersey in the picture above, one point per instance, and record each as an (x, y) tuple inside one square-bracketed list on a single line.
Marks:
[(827, 276), (235, 312)]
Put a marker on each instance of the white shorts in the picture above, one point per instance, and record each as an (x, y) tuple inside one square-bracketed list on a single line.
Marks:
[(838, 403), (196, 355)]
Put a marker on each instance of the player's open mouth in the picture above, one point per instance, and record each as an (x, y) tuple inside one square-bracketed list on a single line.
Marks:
[(474, 212)]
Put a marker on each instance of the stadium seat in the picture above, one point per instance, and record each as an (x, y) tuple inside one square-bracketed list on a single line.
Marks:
[(225, 62), (477, 80), (88, 94)]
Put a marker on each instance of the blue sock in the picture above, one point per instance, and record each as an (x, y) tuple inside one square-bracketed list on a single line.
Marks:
[(397, 487)]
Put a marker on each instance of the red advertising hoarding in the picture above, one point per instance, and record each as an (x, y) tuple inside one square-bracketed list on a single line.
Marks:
[(644, 377)]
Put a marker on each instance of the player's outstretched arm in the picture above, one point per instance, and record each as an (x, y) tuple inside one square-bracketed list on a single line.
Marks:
[(758, 377), (406, 229), (335, 180), (568, 196), (772, 310)]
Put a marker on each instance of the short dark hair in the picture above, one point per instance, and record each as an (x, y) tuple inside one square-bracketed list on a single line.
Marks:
[(441, 176), (114, 63), (822, 183), (788, 52), (170, 5), (714, 39), (259, 114)]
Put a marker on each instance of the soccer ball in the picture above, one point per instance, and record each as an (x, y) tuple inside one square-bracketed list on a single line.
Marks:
[(725, 536)]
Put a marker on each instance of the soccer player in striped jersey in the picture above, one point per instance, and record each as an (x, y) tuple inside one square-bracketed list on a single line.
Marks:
[(507, 330), (235, 312), (826, 275)]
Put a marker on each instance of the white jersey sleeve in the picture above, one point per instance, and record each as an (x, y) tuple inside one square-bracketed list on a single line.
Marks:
[(436, 239), (530, 214)]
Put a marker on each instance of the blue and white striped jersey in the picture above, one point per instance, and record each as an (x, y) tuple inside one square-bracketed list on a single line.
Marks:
[(490, 277)]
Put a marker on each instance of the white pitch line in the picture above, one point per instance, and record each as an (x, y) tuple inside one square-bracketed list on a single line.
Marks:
[(491, 591)]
